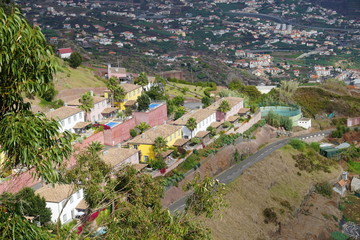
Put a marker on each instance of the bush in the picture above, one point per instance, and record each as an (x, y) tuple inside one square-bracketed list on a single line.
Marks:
[(196, 152), (190, 162), (324, 189), (297, 144), (208, 152), (226, 124), (315, 146), (133, 133), (270, 216), (195, 140), (157, 163)]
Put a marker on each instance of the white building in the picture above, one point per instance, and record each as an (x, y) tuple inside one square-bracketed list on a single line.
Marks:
[(64, 201), (68, 117), (65, 52), (203, 117), (151, 82), (304, 122), (100, 104)]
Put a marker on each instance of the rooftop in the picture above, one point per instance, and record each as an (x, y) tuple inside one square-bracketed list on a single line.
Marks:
[(116, 156), (128, 87), (65, 50), (56, 193), (150, 135), (199, 115), (62, 112), (76, 102), (233, 101)]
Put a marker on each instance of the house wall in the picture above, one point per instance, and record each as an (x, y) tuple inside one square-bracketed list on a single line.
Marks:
[(154, 117), (134, 159), (69, 212), (119, 133), (353, 121), (132, 95), (65, 55), (69, 122), (201, 126), (233, 111), (246, 125), (304, 124), (95, 114)]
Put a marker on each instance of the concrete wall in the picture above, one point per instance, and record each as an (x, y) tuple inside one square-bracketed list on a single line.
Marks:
[(246, 125), (119, 133), (156, 116), (95, 114), (353, 121)]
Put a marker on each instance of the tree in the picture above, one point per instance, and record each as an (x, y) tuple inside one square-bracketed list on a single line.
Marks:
[(142, 79), (27, 65), (133, 133), (156, 93), (191, 124), (224, 106), (87, 103), (207, 196), (143, 102), (287, 90), (207, 101), (117, 92), (160, 145), (143, 126), (75, 60), (178, 101), (179, 112)]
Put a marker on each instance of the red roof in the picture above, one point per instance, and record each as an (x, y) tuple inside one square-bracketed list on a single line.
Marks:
[(65, 50)]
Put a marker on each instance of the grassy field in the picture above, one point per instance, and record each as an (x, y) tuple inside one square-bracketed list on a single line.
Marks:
[(67, 78), (350, 206), (175, 90), (274, 183)]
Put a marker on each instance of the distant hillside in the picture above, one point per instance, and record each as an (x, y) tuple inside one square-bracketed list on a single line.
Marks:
[(349, 8)]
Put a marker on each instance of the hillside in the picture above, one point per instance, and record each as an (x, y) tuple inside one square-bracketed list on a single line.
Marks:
[(274, 183), (68, 78), (316, 102)]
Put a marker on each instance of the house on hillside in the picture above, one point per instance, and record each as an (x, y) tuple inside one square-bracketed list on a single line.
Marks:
[(67, 116), (145, 142), (65, 52), (118, 73), (151, 82), (64, 201), (118, 157), (304, 122), (235, 103), (132, 92), (100, 104), (203, 117)]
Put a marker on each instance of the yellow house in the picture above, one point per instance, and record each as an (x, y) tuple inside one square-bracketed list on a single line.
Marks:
[(145, 141), (132, 92)]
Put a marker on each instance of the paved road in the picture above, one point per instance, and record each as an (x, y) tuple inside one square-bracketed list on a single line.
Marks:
[(236, 170)]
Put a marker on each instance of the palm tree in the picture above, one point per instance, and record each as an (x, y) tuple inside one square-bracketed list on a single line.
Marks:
[(224, 107), (191, 124), (95, 147), (160, 145), (143, 126), (117, 91), (87, 103), (142, 79)]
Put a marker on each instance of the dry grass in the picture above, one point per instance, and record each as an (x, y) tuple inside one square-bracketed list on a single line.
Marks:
[(268, 184)]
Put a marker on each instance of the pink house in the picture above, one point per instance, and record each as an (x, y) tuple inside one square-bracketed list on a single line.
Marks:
[(117, 157), (100, 104), (157, 115), (118, 73), (235, 105)]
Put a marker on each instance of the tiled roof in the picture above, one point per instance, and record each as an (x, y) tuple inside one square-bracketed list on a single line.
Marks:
[(202, 134), (56, 193), (199, 115), (128, 87), (80, 125), (82, 205), (233, 101), (115, 156), (62, 112), (181, 142), (215, 124), (150, 135), (233, 118), (130, 103), (109, 110), (77, 102), (244, 110), (65, 50)]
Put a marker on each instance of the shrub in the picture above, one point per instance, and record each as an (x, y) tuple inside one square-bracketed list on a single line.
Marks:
[(270, 215), (190, 162), (196, 152), (226, 124), (315, 146), (324, 189), (157, 163), (133, 133), (297, 144), (195, 140)]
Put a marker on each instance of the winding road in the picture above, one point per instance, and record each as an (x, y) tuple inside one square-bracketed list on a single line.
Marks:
[(236, 170)]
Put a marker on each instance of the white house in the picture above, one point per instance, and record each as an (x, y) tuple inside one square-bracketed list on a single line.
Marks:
[(67, 116), (64, 201), (203, 117), (100, 104), (304, 122), (65, 52), (151, 82)]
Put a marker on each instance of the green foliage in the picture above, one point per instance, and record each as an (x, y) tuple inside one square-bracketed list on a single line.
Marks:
[(160, 145), (156, 93), (224, 106), (190, 162), (178, 101), (157, 163), (297, 144), (261, 123), (269, 215), (287, 90), (324, 189), (226, 124), (49, 93), (340, 131), (133, 133), (179, 112), (143, 102), (173, 179), (315, 146), (209, 152), (207, 101), (191, 124), (142, 79), (276, 120), (237, 156), (87, 103), (75, 60), (117, 92), (224, 140), (27, 65), (207, 196), (354, 167), (195, 140), (212, 130), (311, 161), (143, 126)]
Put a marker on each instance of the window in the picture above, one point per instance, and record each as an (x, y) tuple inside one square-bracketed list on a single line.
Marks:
[(78, 194), (135, 146), (75, 118), (146, 158), (64, 218)]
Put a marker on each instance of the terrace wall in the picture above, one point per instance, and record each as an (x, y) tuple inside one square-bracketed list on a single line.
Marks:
[(154, 117), (119, 133)]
